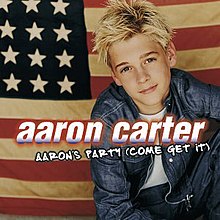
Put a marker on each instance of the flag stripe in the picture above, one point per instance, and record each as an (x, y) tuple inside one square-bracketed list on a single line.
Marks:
[(103, 83), (101, 3), (61, 110), (42, 207), (198, 59), (46, 190), (8, 127), (189, 60), (35, 171), (185, 39), (201, 17), (208, 76), (12, 151)]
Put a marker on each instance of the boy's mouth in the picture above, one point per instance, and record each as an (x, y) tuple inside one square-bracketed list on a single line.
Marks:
[(149, 89)]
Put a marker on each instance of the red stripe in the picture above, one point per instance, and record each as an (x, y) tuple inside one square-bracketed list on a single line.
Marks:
[(39, 207), (186, 38), (94, 3), (8, 127), (46, 171), (208, 76), (90, 44), (101, 3), (199, 37), (98, 84)]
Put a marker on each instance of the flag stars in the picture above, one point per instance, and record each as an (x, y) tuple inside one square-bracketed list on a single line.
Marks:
[(66, 85), (4, 4), (35, 31), (37, 58), (7, 30), (9, 55), (64, 59), (59, 6), (62, 33), (38, 84), (31, 5), (12, 83)]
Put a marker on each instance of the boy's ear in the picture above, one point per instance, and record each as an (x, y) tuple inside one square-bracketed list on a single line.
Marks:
[(171, 53), (115, 78)]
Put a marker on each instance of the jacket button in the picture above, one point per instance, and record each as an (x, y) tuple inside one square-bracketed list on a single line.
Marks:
[(171, 160)]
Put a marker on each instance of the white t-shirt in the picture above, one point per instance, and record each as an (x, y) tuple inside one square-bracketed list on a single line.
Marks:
[(157, 175)]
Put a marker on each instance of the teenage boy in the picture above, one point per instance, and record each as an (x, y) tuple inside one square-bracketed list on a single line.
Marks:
[(136, 43)]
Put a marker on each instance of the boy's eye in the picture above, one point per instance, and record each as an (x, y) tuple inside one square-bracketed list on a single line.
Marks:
[(149, 60), (125, 69)]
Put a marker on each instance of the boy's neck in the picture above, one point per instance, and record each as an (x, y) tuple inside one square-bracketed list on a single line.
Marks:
[(151, 117)]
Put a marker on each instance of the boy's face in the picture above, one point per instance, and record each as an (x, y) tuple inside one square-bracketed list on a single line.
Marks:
[(142, 67)]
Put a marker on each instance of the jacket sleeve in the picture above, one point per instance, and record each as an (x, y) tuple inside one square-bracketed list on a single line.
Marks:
[(214, 102), (202, 99), (111, 193)]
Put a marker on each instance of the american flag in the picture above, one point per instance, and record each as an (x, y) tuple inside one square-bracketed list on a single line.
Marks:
[(44, 69)]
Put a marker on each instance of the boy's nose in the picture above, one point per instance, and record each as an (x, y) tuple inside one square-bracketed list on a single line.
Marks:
[(142, 75)]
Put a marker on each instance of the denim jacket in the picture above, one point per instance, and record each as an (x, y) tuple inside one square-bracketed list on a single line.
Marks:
[(118, 180)]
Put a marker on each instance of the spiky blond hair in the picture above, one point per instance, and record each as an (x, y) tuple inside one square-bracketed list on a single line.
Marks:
[(125, 18)]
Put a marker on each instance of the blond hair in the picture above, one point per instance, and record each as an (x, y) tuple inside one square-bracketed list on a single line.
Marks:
[(125, 18)]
